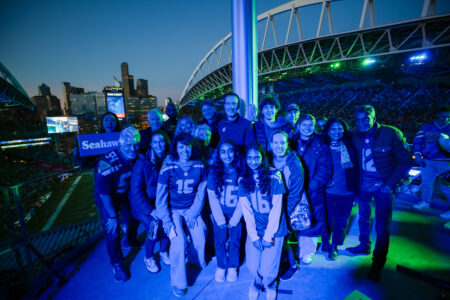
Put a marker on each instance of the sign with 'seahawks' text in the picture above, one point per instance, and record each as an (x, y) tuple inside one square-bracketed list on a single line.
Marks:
[(97, 144)]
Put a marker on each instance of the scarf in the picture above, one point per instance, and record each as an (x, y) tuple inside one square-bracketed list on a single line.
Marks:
[(346, 162)]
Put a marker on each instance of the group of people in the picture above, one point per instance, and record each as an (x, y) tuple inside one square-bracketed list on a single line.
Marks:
[(269, 181)]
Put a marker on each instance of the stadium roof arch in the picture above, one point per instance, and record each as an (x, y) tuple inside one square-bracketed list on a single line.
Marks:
[(283, 44), (11, 92)]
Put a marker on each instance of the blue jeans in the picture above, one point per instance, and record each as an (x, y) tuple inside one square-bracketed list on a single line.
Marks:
[(383, 216), (264, 265), (178, 246), (339, 208), (150, 243), (113, 246), (221, 235)]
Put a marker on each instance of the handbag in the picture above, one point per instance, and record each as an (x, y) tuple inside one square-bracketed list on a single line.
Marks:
[(300, 218)]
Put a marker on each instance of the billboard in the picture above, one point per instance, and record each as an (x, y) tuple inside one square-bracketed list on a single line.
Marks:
[(62, 124), (115, 103)]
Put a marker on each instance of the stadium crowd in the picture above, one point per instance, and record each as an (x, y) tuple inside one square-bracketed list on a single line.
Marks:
[(273, 180)]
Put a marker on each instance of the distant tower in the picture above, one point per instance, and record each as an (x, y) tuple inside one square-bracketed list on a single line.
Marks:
[(127, 81), (44, 90), (142, 88)]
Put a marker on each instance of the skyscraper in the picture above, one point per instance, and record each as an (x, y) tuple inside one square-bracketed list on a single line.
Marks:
[(142, 88), (44, 90), (127, 81), (66, 91)]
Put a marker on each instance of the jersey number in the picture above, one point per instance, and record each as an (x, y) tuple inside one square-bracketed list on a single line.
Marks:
[(124, 182), (229, 196), (262, 206), (183, 186)]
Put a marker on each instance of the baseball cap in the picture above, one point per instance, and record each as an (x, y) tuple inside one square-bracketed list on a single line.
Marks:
[(292, 106)]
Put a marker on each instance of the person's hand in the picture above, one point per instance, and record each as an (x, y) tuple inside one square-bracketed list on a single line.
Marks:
[(223, 226), (266, 244), (167, 227), (258, 245), (191, 222), (153, 229), (111, 225)]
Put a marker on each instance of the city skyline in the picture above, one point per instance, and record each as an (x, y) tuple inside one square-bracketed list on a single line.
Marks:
[(85, 42)]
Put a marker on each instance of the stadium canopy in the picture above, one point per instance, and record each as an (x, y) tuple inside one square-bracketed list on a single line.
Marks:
[(11, 92), (287, 42)]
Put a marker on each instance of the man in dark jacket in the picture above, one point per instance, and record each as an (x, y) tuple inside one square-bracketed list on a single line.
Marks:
[(212, 119), (384, 160)]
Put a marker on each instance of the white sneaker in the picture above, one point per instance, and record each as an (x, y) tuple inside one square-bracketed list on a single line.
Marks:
[(151, 265), (271, 294), (165, 258), (220, 275), (232, 275), (445, 215), (253, 293), (421, 205), (307, 259)]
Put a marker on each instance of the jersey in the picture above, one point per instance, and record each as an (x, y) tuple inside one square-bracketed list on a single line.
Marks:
[(182, 185), (261, 204), (229, 193), (112, 176)]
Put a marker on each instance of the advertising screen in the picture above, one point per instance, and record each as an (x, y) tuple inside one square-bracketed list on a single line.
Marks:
[(115, 104), (62, 124)]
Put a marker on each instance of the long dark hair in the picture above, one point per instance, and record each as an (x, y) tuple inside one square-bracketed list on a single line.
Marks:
[(327, 126), (248, 182), (158, 160), (218, 168), (116, 129), (185, 139)]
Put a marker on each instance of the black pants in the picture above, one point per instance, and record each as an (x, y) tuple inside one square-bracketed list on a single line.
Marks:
[(339, 208)]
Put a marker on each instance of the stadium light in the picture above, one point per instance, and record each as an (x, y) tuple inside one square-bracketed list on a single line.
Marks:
[(335, 65), (418, 58), (368, 62)]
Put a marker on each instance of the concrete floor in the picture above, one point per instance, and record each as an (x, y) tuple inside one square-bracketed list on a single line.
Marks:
[(418, 241)]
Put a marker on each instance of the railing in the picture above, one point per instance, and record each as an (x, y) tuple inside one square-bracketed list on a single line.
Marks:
[(43, 220)]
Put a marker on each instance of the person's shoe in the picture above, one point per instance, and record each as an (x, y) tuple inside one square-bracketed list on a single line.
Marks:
[(253, 293), (232, 274), (120, 275), (359, 250), (445, 215), (325, 247), (165, 258), (374, 274), (332, 253), (307, 259), (220, 275), (151, 265), (271, 294), (178, 292), (421, 205), (289, 274)]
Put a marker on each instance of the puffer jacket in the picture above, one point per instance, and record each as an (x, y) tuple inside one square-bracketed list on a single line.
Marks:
[(144, 179), (261, 130)]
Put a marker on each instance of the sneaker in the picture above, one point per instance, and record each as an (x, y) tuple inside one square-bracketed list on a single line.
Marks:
[(271, 294), (253, 293), (289, 274), (232, 275), (374, 274), (151, 265), (359, 250), (325, 247), (445, 215), (165, 258), (220, 275), (178, 292), (307, 259), (332, 253), (421, 205), (120, 275)]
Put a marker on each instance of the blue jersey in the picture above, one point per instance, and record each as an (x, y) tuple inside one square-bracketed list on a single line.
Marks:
[(182, 185), (113, 175), (229, 193), (261, 204)]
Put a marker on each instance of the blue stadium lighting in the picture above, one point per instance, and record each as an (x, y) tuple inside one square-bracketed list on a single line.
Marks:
[(22, 141), (419, 58), (368, 62)]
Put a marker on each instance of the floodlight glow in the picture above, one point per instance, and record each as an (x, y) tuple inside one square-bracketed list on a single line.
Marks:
[(335, 65), (368, 61), (419, 58), (413, 172)]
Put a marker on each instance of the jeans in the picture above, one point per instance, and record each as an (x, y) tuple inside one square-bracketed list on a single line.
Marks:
[(264, 265), (431, 170), (178, 246), (150, 243), (383, 216), (221, 235), (113, 246), (339, 208)]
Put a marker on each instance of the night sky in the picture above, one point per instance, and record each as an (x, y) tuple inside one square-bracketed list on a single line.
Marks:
[(84, 42)]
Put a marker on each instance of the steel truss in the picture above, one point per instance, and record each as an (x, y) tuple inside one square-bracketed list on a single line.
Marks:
[(428, 31)]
